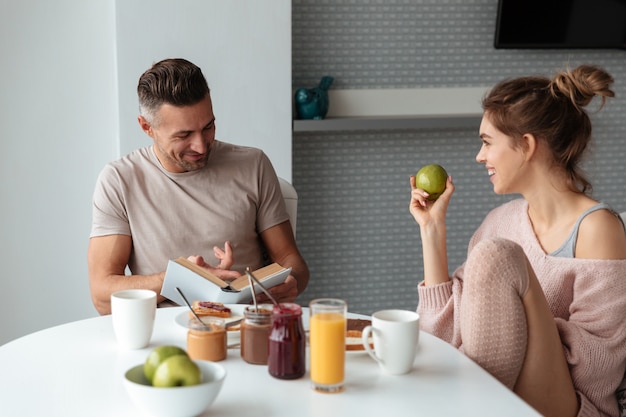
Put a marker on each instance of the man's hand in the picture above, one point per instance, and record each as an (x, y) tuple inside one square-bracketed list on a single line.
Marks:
[(283, 293), (224, 255), (226, 261)]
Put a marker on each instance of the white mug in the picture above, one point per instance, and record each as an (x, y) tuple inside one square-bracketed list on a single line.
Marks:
[(133, 312), (395, 334)]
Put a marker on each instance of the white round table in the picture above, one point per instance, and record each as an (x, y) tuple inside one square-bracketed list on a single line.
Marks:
[(76, 369)]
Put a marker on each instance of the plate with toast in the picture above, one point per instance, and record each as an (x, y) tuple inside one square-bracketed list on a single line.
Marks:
[(232, 314)]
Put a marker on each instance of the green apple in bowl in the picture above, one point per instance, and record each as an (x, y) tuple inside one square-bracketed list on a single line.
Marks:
[(176, 401), (157, 356), (177, 371)]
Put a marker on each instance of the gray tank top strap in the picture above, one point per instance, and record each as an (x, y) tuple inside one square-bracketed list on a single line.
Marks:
[(567, 249)]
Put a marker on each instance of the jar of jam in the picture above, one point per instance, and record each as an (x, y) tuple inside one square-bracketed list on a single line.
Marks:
[(287, 355), (207, 341), (255, 332)]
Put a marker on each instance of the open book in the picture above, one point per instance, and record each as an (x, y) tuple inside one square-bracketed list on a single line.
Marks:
[(199, 284)]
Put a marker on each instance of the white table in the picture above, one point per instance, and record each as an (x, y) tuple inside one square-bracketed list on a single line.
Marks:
[(76, 369)]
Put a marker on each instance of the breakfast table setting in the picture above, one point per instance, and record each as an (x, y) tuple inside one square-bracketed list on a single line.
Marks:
[(81, 368)]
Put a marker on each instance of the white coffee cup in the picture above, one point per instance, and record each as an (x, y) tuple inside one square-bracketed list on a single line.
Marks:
[(133, 312), (395, 335)]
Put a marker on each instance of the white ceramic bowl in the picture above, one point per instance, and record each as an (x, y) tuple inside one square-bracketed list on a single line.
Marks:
[(186, 401)]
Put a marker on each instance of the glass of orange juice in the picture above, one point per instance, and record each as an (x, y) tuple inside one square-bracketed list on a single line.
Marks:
[(327, 344)]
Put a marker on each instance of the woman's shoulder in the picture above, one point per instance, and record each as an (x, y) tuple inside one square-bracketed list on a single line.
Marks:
[(514, 207), (505, 220), (601, 236)]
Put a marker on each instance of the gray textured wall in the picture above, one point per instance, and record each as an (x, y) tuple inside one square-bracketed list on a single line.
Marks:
[(354, 228)]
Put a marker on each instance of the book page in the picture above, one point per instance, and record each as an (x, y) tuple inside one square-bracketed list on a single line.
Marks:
[(260, 274), (201, 271)]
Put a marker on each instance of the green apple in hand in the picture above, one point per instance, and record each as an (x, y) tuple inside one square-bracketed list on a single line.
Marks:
[(157, 356), (176, 371), (432, 179)]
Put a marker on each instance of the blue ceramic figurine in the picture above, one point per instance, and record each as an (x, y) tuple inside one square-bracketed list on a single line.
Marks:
[(312, 103)]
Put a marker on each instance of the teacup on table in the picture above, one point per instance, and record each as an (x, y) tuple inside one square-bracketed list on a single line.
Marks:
[(395, 334), (133, 313)]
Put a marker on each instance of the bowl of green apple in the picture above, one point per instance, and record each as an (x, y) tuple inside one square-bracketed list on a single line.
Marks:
[(171, 384)]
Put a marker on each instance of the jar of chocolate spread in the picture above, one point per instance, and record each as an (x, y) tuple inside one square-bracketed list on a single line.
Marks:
[(287, 342), (255, 332)]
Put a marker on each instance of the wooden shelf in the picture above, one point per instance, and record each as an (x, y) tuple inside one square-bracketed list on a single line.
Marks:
[(461, 121)]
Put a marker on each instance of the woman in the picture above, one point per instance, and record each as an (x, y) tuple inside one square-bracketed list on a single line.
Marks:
[(540, 301)]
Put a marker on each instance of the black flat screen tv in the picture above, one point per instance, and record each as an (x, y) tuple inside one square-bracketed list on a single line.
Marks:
[(549, 24)]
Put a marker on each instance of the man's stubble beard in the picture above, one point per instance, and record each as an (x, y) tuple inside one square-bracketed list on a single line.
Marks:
[(185, 165)]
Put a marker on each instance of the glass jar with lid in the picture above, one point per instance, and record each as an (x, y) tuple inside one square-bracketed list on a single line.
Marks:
[(287, 342), (207, 340), (255, 332)]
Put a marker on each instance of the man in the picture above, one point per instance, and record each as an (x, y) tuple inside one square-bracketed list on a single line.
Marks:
[(186, 194)]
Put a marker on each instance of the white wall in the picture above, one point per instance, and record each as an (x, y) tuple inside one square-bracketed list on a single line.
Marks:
[(58, 118), (61, 118)]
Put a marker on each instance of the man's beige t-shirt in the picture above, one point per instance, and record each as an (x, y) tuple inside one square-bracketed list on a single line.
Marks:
[(234, 198)]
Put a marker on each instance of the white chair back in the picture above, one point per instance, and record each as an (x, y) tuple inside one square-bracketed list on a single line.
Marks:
[(291, 201)]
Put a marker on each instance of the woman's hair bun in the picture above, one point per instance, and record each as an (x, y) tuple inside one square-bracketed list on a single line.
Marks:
[(582, 84)]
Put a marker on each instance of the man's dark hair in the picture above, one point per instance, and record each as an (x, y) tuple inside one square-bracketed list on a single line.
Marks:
[(173, 81)]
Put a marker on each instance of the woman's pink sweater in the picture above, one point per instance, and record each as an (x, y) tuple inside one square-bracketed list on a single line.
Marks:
[(587, 298)]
